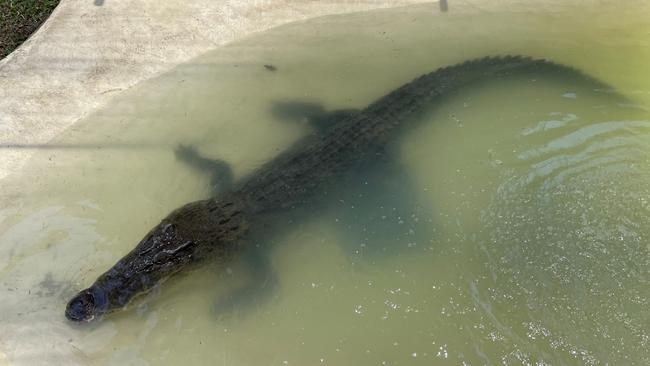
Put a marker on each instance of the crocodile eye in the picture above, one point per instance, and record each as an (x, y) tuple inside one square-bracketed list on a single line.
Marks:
[(166, 255), (161, 257), (169, 229)]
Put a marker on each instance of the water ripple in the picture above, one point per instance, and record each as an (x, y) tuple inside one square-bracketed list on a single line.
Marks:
[(568, 234)]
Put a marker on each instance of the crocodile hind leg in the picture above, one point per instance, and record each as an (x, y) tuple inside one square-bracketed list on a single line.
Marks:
[(220, 173), (315, 114), (324, 123)]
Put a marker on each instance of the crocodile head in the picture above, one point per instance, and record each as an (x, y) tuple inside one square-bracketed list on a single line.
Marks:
[(162, 252), (186, 236)]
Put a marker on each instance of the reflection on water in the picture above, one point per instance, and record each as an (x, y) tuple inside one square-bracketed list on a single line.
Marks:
[(509, 227)]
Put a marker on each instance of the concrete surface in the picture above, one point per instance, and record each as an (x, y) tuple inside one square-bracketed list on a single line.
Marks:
[(89, 50)]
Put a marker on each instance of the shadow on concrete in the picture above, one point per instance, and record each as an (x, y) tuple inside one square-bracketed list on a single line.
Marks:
[(444, 6), (99, 2)]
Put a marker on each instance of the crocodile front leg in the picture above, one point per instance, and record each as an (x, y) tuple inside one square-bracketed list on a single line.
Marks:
[(220, 172)]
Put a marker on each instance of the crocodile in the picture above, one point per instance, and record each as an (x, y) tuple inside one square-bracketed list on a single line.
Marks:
[(215, 227)]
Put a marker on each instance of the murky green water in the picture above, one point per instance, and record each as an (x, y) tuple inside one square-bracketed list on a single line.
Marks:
[(512, 227)]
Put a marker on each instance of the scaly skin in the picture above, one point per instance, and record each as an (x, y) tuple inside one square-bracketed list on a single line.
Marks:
[(214, 228)]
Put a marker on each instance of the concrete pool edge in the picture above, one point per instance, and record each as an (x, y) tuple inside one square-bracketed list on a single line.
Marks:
[(85, 53)]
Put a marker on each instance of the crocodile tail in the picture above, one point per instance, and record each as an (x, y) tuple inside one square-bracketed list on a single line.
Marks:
[(486, 68), (414, 95)]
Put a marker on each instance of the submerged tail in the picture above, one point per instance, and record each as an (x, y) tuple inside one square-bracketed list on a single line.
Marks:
[(410, 97)]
